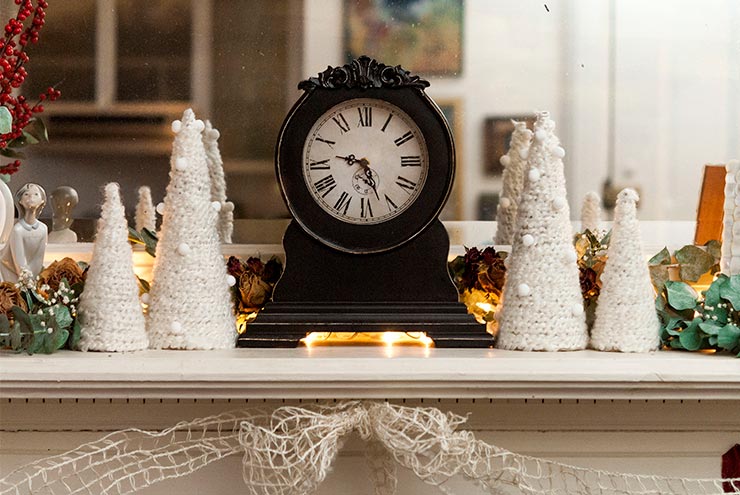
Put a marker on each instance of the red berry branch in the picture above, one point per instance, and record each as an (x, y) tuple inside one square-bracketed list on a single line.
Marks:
[(19, 125)]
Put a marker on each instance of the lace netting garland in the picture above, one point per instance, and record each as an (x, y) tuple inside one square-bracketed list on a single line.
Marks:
[(291, 450)]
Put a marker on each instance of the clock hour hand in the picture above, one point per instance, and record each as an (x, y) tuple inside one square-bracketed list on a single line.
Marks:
[(350, 159)]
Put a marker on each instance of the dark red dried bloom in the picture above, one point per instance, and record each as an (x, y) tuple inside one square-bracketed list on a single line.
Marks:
[(235, 267)]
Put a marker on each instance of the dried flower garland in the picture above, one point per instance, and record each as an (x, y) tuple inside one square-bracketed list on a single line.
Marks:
[(479, 277), (38, 317)]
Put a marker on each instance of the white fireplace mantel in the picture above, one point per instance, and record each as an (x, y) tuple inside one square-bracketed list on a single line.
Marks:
[(369, 373)]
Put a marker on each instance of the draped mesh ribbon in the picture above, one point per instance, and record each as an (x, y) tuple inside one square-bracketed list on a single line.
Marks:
[(291, 451)]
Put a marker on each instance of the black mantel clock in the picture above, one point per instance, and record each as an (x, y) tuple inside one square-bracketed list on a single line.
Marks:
[(365, 162)]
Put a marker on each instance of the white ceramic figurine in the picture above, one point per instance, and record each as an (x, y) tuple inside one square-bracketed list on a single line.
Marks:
[(27, 243)]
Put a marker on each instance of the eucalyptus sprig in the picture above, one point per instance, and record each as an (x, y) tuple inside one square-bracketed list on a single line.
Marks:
[(146, 238), (708, 321)]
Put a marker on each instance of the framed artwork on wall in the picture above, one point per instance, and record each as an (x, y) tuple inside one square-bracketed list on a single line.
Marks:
[(496, 138), (424, 36), (452, 110)]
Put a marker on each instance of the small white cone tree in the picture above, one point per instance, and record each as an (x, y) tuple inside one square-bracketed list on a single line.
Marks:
[(591, 212), (626, 320), (190, 302), (218, 183), (111, 316), (542, 302), (145, 216), (515, 166)]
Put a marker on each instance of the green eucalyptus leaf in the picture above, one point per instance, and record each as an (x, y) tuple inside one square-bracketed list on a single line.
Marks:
[(676, 344), (710, 327), (729, 337), (712, 294), (680, 295), (37, 128), (661, 258), (4, 324), (730, 291), (714, 248), (691, 337), (694, 262), (27, 138), (62, 316), (58, 339), (11, 153), (16, 337), (6, 120), (713, 340), (659, 275), (74, 336)]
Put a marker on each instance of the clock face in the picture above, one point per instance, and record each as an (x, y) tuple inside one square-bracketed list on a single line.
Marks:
[(365, 161)]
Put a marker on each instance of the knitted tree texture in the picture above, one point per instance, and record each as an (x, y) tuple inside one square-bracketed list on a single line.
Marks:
[(145, 216), (515, 166), (218, 183), (626, 319), (543, 305), (190, 301), (730, 263), (110, 313), (591, 212)]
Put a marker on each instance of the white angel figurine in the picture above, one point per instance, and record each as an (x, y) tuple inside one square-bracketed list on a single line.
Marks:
[(27, 243)]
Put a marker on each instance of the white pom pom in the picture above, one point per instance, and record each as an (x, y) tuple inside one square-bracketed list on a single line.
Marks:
[(540, 135), (228, 206), (181, 164), (214, 134), (505, 161), (528, 240), (558, 203), (216, 205), (558, 151), (231, 280), (176, 327), (146, 298), (523, 290), (176, 126), (534, 175), (570, 256), (183, 249), (523, 153), (160, 208), (199, 125), (505, 202), (576, 309)]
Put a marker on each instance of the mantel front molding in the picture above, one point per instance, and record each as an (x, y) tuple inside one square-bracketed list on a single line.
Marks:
[(369, 373)]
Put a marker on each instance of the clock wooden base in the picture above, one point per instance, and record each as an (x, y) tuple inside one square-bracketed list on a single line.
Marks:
[(407, 289)]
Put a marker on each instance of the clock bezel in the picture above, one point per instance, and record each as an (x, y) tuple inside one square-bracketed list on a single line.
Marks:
[(365, 238)]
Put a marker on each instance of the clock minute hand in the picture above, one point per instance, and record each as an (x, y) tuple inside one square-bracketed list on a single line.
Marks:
[(350, 159)]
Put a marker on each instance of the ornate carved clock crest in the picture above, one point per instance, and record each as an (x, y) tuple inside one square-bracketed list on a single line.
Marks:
[(365, 162)]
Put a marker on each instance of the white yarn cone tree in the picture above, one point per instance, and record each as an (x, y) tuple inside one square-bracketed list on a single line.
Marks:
[(515, 166), (542, 302), (626, 320), (190, 302), (145, 216), (730, 263), (591, 212), (111, 317), (218, 183)]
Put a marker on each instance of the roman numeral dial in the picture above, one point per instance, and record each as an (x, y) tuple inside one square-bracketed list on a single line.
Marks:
[(365, 162)]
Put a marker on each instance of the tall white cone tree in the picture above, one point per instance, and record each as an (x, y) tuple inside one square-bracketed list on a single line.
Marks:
[(111, 317), (145, 216), (730, 263), (591, 212), (190, 302), (515, 166), (626, 320), (542, 303), (218, 183)]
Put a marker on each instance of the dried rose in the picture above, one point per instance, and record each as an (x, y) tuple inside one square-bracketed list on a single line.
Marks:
[(590, 287), (253, 291), (255, 265), (66, 268), (235, 267), (10, 296)]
